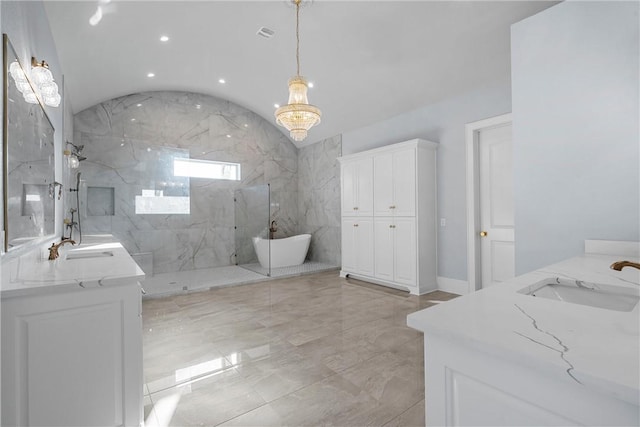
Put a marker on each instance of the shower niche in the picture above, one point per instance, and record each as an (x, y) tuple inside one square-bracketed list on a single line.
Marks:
[(100, 201)]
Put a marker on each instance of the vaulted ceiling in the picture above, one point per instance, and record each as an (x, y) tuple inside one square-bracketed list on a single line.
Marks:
[(368, 60)]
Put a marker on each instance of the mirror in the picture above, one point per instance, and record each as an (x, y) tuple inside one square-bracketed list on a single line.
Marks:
[(29, 168)]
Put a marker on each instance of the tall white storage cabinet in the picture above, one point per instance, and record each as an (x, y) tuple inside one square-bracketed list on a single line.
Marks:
[(389, 215)]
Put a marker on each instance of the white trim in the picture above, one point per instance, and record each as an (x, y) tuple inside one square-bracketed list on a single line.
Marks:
[(473, 195), (454, 286)]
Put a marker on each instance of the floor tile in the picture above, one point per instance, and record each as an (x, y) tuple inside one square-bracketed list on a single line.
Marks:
[(305, 350)]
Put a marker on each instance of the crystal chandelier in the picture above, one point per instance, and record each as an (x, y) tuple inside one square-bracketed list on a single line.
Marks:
[(298, 116)]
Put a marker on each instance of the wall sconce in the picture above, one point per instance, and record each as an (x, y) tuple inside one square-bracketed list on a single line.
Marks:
[(22, 83), (73, 157), (43, 80)]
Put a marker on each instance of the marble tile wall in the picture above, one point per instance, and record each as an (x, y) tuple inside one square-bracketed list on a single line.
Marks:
[(116, 134), (319, 199)]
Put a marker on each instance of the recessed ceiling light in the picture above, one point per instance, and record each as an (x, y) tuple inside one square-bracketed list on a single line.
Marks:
[(133, 120), (310, 84), (276, 105), (122, 144), (246, 125), (222, 81), (138, 105), (228, 136), (151, 75), (198, 106), (148, 149), (164, 38)]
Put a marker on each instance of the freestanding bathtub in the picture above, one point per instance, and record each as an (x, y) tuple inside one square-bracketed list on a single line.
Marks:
[(284, 252)]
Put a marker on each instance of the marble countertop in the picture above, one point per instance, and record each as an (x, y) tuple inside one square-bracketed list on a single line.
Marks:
[(26, 276), (595, 347)]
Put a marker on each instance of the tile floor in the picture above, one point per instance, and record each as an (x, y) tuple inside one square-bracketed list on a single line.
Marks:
[(306, 350)]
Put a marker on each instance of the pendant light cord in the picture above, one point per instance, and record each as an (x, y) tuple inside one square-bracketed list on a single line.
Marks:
[(298, 35)]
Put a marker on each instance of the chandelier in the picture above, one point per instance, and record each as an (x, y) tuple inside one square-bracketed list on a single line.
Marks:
[(298, 116)]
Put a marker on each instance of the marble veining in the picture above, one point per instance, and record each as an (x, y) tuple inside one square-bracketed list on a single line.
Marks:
[(563, 350), (121, 137), (319, 199), (560, 337)]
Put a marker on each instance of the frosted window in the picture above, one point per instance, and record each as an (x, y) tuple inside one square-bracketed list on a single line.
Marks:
[(193, 168)]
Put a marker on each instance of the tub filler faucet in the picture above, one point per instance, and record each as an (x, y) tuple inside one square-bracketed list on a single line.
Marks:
[(619, 265), (273, 228), (53, 250)]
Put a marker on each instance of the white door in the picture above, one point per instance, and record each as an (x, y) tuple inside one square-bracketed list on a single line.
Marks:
[(496, 204), (349, 248), (364, 246), (349, 188), (404, 183), (383, 183), (364, 205), (383, 248), (405, 269)]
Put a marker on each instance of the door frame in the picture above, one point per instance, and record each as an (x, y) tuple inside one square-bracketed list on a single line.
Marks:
[(472, 130)]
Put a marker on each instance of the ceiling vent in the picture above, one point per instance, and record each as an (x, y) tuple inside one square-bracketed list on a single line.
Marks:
[(265, 32)]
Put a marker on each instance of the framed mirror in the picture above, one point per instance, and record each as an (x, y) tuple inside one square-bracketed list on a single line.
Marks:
[(28, 154)]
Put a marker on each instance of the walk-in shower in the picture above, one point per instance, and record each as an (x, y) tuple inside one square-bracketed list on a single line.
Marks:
[(252, 220)]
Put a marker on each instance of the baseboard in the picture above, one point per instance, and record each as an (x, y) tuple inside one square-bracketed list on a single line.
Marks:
[(455, 286)]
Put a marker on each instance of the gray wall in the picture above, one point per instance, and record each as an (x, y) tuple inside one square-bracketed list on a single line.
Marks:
[(443, 123), (575, 126), (115, 147), (319, 199)]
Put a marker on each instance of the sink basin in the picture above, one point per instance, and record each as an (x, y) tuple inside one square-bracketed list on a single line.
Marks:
[(86, 255), (597, 295)]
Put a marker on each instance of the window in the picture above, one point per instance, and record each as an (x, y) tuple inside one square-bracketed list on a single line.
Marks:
[(193, 168)]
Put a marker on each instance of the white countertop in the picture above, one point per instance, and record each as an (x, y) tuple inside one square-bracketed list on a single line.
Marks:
[(26, 276), (595, 347)]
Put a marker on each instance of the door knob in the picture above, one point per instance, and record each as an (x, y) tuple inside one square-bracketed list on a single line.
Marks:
[(483, 234)]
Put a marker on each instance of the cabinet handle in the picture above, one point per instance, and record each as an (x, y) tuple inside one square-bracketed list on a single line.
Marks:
[(355, 208), (392, 226), (355, 225), (392, 207)]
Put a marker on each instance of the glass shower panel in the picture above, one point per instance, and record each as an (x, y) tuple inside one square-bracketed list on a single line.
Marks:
[(252, 223)]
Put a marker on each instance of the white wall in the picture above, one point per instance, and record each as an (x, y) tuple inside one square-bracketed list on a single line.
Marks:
[(575, 122), (26, 24), (443, 123)]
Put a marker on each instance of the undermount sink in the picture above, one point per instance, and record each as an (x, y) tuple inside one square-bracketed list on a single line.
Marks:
[(609, 297), (87, 255)]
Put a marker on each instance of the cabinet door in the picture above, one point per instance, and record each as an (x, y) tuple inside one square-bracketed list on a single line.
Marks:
[(383, 248), (404, 182), (383, 184), (349, 247), (365, 187), (349, 188), (405, 251), (364, 246)]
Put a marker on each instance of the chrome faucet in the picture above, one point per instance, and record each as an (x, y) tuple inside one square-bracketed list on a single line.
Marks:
[(619, 265), (53, 250)]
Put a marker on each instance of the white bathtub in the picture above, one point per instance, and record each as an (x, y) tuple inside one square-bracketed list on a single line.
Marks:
[(284, 252)]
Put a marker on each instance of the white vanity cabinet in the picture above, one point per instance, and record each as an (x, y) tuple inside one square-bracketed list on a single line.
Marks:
[(394, 180), (401, 240), (357, 242), (72, 349), (357, 187), (395, 250)]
